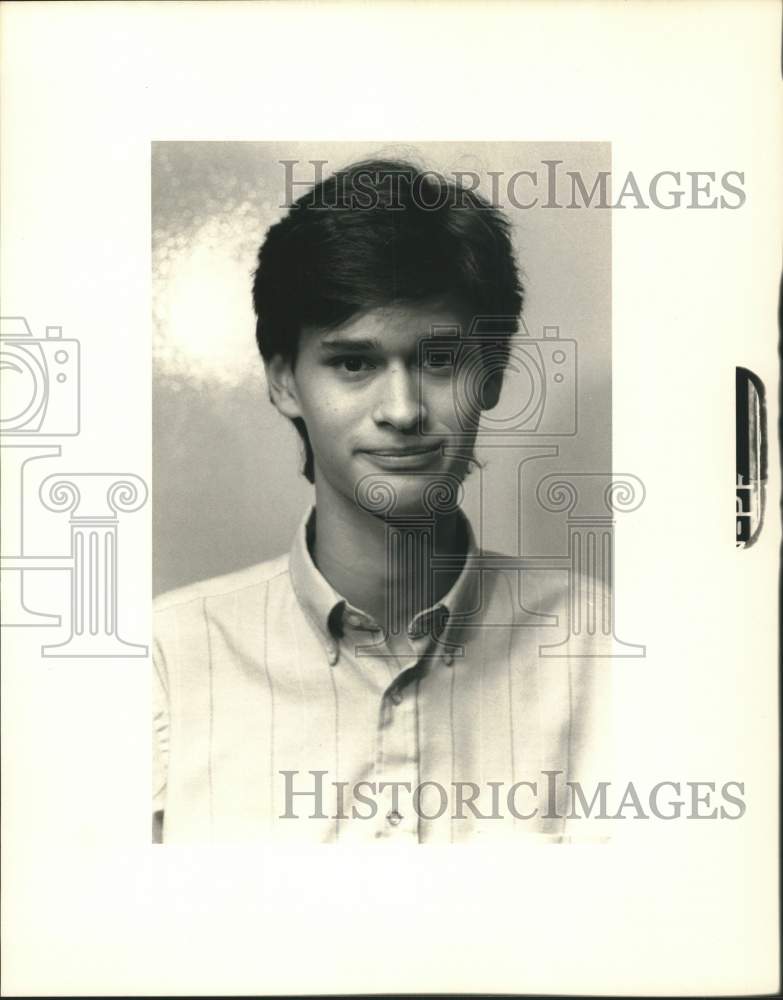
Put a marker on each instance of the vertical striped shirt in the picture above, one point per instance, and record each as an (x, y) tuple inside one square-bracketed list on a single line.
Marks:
[(279, 710)]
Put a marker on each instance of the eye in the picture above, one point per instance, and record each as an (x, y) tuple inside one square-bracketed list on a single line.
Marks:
[(352, 364)]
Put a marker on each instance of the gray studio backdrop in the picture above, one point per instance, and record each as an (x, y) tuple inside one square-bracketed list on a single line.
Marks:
[(227, 490)]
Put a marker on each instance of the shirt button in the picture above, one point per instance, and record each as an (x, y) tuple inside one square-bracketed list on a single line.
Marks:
[(448, 660), (396, 696), (331, 653), (394, 818)]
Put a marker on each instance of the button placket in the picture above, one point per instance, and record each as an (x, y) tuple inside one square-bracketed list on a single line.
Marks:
[(398, 761)]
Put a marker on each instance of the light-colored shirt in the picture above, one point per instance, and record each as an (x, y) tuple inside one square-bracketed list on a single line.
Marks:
[(280, 711)]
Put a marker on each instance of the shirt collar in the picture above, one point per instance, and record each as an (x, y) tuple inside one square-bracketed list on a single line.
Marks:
[(324, 606)]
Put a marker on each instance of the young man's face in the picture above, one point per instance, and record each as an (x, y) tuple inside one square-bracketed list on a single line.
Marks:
[(372, 406)]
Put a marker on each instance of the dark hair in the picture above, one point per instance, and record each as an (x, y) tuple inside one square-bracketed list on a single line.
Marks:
[(376, 233)]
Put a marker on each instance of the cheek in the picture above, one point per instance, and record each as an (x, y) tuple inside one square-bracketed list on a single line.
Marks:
[(442, 405), (330, 413)]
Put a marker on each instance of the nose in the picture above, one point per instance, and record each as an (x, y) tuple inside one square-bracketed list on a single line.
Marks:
[(399, 403)]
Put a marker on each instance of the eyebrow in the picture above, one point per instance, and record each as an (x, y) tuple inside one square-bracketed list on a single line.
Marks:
[(337, 345)]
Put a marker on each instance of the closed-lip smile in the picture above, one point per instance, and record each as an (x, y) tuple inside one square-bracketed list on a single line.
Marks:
[(422, 449), (418, 456)]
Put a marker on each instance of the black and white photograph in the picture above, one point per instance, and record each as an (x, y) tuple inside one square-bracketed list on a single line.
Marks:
[(430, 659)]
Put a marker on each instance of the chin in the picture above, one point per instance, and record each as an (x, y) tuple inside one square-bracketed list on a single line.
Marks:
[(410, 493)]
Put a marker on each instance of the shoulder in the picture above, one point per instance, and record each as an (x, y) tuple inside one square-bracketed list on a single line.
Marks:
[(225, 585), (523, 589), (186, 621)]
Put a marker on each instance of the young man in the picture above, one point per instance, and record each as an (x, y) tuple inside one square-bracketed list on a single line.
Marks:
[(379, 681)]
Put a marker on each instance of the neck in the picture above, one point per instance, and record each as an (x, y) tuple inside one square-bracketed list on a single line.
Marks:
[(384, 566)]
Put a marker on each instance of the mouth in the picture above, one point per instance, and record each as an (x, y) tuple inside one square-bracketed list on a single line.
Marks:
[(412, 456), (423, 449)]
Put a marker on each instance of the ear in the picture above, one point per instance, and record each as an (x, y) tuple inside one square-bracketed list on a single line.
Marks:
[(490, 388), (282, 386)]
